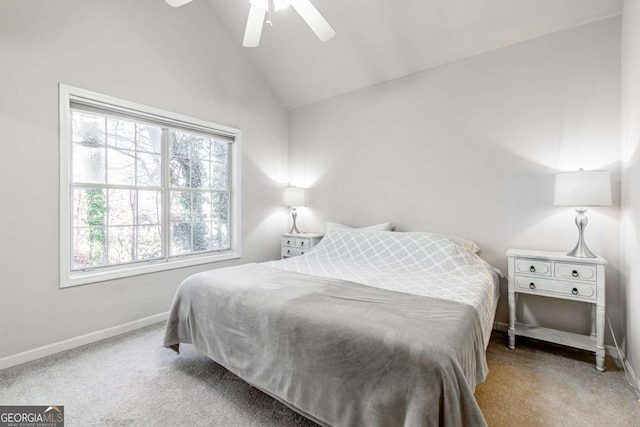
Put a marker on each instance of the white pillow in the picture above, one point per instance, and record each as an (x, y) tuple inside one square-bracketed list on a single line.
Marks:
[(470, 244), (385, 226)]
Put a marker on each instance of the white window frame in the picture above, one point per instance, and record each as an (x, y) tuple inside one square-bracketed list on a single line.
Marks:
[(68, 278)]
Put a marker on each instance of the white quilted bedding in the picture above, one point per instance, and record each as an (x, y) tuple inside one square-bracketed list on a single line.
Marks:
[(426, 264)]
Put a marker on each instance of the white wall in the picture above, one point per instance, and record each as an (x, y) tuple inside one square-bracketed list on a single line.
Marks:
[(471, 149), (181, 60), (630, 221)]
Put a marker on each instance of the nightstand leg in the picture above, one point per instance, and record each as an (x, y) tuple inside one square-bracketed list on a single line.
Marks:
[(600, 317), (512, 320), (593, 321)]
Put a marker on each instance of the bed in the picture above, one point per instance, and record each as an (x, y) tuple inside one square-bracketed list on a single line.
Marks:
[(369, 328)]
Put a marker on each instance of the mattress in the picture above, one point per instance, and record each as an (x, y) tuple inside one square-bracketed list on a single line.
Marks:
[(369, 328), (340, 353), (425, 264)]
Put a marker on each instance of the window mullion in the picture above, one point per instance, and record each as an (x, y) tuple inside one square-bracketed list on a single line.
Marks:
[(106, 229), (106, 180), (166, 196), (230, 188), (113, 186)]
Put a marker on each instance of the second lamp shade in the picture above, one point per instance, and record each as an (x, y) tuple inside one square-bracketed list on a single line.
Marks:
[(583, 188), (293, 197)]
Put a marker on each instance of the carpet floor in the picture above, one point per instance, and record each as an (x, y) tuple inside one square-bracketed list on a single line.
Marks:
[(129, 380)]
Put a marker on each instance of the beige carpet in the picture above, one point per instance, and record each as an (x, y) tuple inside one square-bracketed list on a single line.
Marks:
[(130, 380), (542, 384)]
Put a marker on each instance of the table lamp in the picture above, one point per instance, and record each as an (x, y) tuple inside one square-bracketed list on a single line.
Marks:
[(293, 197), (582, 189)]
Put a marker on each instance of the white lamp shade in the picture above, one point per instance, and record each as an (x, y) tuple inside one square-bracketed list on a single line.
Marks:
[(293, 196), (583, 188), (177, 3)]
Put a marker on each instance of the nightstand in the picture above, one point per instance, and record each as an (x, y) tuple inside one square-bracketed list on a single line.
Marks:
[(557, 275), (298, 244)]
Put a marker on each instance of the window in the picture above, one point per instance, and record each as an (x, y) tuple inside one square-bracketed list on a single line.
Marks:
[(142, 190)]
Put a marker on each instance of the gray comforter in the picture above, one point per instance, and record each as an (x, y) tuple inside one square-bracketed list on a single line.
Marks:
[(340, 353)]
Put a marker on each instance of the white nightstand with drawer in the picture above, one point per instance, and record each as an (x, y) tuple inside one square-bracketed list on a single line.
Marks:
[(557, 275), (298, 244)]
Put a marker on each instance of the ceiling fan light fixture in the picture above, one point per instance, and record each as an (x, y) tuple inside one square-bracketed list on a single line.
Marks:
[(264, 4), (177, 3), (261, 9)]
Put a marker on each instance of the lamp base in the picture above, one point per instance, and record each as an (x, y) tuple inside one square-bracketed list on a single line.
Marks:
[(581, 250), (294, 228)]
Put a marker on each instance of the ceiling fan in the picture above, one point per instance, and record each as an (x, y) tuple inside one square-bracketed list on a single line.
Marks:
[(261, 8)]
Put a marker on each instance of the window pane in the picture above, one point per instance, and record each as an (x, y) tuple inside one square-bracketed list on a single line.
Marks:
[(200, 173), (200, 148), (149, 207), (179, 144), (205, 206), (219, 176), (220, 239), (121, 134), (201, 232), (79, 207), (149, 138), (200, 207), (190, 237), (88, 164), (149, 170), (93, 202), (121, 166), (122, 207), (179, 172), (88, 247), (180, 206), (180, 238), (87, 129), (149, 243), (221, 207), (122, 245), (220, 152)]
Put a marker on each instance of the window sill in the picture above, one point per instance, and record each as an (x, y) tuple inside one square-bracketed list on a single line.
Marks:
[(85, 278)]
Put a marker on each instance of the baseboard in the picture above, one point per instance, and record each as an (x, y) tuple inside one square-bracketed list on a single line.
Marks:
[(609, 350), (47, 350), (500, 326), (634, 378), (630, 373)]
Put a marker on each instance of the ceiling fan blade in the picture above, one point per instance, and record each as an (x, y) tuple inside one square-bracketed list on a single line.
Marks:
[(314, 19), (178, 3), (255, 22)]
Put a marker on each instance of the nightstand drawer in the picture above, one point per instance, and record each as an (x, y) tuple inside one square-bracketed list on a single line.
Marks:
[(303, 243), (534, 285), (288, 242), (286, 251), (530, 266), (575, 271)]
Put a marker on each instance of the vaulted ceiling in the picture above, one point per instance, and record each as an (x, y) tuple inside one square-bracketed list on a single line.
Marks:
[(380, 40)]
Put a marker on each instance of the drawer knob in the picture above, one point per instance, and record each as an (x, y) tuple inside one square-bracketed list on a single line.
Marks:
[(532, 285), (288, 251), (301, 243), (574, 273), (532, 269), (302, 253), (574, 291), (288, 242)]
